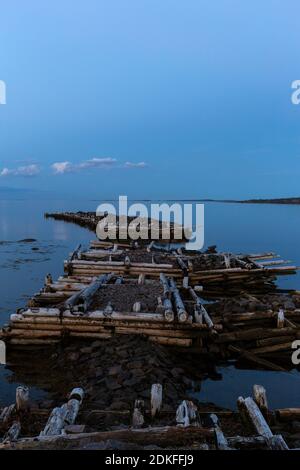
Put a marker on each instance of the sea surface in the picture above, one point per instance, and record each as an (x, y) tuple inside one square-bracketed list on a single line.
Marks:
[(32, 246)]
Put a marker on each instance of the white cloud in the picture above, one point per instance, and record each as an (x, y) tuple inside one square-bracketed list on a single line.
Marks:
[(28, 170), (62, 167), (68, 167), (135, 165)]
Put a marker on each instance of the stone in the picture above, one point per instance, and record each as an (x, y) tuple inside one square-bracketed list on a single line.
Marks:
[(112, 384), (115, 370)]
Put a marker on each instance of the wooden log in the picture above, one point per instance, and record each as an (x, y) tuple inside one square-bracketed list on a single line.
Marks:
[(254, 334), (220, 439), (257, 360), (86, 296), (249, 316), (245, 442), (277, 340), (161, 436), (22, 399), (171, 341), (187, 414), (201, 309), (258, 422), (136, 307), (156, 399), (260, 398), (7, 413), (32, 342), (180, 308), (65, 415), (277, 443), (55, 423), (288, 414), (280, 319), (13, 433), (166, 286), (48, 280), (250, 410), (138, 419), (273, 349), (76, 253)]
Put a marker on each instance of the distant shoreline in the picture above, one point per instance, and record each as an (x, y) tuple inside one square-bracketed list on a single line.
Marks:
[(288, 200)]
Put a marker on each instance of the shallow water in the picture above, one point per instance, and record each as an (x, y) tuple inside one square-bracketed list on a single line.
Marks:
[(232, 227)]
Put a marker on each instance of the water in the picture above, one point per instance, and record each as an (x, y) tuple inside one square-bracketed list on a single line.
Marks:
[(232, 227)]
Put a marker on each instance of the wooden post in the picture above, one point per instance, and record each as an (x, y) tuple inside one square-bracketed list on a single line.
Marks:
[(221, 441), (187, 414), (22, 399), (156, 399), (251, 412), (13, 432), (48, 280), (65, 415), (136, 307), (280, 319), (138, 416), (260, 398)]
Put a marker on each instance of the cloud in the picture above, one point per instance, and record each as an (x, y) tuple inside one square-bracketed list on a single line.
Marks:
[(28, 170), (135, 165), (62, 167), (68, 167)]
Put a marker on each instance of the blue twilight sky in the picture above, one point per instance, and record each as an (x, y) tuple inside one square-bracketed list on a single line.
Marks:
[(150, 98)]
